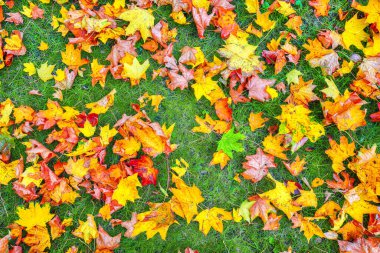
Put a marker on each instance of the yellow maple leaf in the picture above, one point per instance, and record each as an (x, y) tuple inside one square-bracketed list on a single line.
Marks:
[(273, 145), (34, 215), (204, 85), (44, 72), (29, 68), (307, 199), (106, 134), (340, 152), (179, 17), (88, 130), (280, 197), (285, 8), (374, 48), (252, 5), (127, 190), (263, 20), (181, 167), (87, 230), (256, 120), (185, 199), (212, 218), (310, 229), (13, 43), (372, 9), (240, 54), (358, 208), (220, 158), (139, 20), (43, 46), (331, 91), (354, 32), (135, 71), (99, 73), (103, 104), (72, 57), (157, 220), (8, 171), (330, 209)]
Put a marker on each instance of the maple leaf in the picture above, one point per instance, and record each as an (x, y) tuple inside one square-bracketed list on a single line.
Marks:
[(185, 199), (263, 20), (103, 104), (252, 6), (330, 209), (72, 57), (257, 165), (310, 229), (340, 152), (157, 220), (331, 91), (105, 242), (44, 72), (38, 239), (139, 20), (296, 167), (258, 88), (87, 230), (280, 197), (15, 18), (212, 218), (231, 142), (135, 71), (29, 68), (345, 111), (321, 7), (273, 145), (307, 199), (201, 20), (8, 171), (57, 227), (127, 190), (359, 245), (144, 168), (295, 23), (205, 86), (220, 158), (256, 120), (273, 222), (43, 46), (99, 73), (35, 215), (372, 9), (240, 54), (358, 208), (354, 32), (260, 208), (301, 93)]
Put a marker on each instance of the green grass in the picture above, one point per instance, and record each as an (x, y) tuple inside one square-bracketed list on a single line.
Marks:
[(180, 107)]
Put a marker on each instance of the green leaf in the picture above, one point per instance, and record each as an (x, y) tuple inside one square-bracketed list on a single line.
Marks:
[(230, 142)]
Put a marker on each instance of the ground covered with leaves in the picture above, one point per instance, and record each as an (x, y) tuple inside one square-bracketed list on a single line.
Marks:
[(189, 126)]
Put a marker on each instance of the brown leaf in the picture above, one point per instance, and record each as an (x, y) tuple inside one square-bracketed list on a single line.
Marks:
[(201, 20), (14, 17), (257, 86), (106, 242), (257, 165)]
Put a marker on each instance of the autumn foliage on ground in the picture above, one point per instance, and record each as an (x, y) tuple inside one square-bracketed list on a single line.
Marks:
[(72, 160)]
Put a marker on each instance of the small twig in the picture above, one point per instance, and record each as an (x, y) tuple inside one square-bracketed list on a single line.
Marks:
[(3, 203)]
